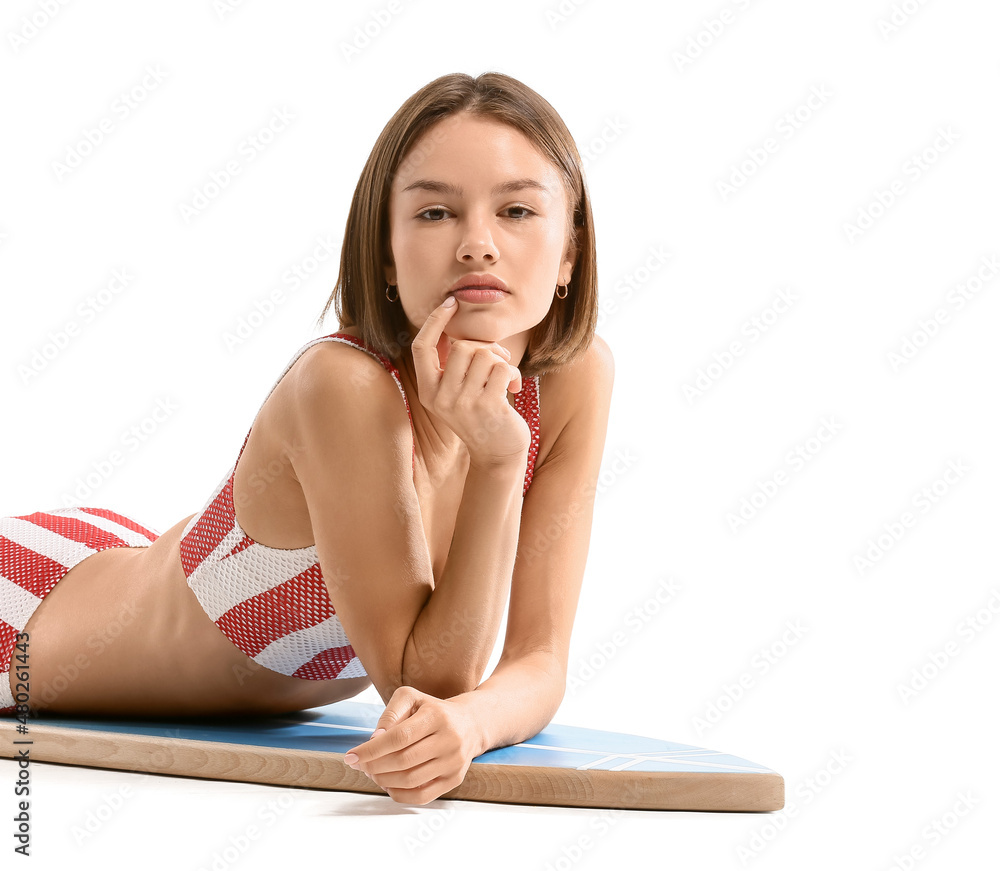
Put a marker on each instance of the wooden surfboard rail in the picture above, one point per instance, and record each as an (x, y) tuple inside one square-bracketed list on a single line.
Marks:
[(757, 789)]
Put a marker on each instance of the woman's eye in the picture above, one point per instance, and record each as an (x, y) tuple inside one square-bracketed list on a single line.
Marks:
[(426, 214)]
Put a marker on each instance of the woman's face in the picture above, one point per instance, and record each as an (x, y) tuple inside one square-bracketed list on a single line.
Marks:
[(475, 196)]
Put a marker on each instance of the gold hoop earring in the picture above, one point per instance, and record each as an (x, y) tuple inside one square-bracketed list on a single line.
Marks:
[(391, 298), (565, 292)]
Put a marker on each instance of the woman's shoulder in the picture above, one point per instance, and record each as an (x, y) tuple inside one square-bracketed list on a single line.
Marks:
[(592, 372), (574, 400), (332, 377), (341, 409)]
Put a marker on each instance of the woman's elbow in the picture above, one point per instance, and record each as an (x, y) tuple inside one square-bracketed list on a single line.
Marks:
[(441, 686)]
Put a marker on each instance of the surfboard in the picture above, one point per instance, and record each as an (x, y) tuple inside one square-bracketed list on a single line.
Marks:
[(567, 766)]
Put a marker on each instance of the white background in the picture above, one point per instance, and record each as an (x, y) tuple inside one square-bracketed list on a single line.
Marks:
[(659, 134)]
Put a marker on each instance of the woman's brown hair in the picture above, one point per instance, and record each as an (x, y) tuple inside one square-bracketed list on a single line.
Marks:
[(359, 296)]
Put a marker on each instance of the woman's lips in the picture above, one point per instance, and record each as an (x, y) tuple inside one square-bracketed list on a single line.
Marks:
[(479, 294)]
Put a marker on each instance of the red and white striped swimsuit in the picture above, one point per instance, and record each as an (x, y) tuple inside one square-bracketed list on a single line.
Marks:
[(273, 604), (36, 552)]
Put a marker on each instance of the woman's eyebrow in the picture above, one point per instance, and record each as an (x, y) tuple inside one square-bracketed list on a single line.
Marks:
[(506, 187)]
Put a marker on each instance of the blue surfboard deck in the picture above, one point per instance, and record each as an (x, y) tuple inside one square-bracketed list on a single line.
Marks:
[(561, 765)]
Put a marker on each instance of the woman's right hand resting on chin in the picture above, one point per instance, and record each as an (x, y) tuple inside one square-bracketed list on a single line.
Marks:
[(465, 383)]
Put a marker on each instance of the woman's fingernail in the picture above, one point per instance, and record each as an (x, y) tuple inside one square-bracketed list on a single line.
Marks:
[(351, 758), (449, 302), (378, 732)]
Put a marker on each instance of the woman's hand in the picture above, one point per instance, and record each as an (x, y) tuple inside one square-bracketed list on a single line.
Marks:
[(465, 382), (421, 748)]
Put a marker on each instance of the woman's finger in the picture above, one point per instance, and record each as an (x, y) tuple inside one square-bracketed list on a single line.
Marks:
[(470, 370), (513, 379), (418, 749), (414, 777), (402, 705), (426, 359), (424, 794)]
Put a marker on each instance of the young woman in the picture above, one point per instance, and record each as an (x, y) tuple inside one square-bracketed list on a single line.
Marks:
[(403, 478)]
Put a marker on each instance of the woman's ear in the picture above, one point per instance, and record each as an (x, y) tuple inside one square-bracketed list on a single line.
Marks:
[(569, 261), (566, 270)]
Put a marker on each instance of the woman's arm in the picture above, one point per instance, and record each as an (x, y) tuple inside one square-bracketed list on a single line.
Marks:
[(428, 743), (516, 702), (453, 637), (375, 561), (528, 684)]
